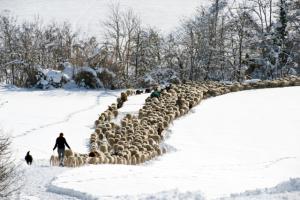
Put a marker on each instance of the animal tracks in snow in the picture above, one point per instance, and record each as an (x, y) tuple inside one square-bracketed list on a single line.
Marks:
[(274, 162), (3, 103), (66, 119)]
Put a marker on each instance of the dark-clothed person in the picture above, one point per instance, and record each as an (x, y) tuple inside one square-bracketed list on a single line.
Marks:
[(28, 158), (60, 144)]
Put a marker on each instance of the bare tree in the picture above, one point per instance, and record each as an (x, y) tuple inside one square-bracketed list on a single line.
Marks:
[(131, 27), (113, 31), (9, 175)]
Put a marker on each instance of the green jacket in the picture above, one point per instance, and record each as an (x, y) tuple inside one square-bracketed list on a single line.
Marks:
[(155, 94)]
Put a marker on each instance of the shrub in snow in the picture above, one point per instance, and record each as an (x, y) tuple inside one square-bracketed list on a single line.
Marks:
[(32, 77), (148, 81), (50, 78), (160, 76), (106, 77), (87, 77), (68, 70)]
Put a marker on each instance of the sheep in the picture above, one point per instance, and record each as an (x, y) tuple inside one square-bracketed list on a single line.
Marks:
[(68, 152), (120, 104), (151, 141), (118, 160), (98, 130), (80, 161), (123, 97), (110, 159), (84, 159), (93, 140), (93, 160), (93, 147), (54, 160), (97, 122), (115, 112), (103, 160), (104, 115), (128, 116), (124, 122), (70, 161), (111, 141), (130, 92), (119, 148), (133, 160), (101, 136), (96, 154), (138, 137), (104, 148)]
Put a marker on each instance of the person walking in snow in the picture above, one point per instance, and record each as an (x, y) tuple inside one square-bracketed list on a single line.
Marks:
[(28, 158), (60, 144)]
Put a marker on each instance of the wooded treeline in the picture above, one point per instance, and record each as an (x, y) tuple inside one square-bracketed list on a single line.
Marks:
[(223, 42)]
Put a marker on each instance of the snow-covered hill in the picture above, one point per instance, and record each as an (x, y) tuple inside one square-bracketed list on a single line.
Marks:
[(226, 145), (87, 15)]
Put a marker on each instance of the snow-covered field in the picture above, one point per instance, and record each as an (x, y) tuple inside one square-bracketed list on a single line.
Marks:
[(86, 15), (227, 145)]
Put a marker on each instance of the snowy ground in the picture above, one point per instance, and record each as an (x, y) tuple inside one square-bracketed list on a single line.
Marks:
[(30, 115), (87, 15), (231, 144)]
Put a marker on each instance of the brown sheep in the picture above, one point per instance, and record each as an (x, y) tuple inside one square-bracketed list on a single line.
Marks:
[(123, 97), (93, 160)]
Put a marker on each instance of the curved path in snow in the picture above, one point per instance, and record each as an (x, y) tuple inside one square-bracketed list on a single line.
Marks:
[(228, 144)]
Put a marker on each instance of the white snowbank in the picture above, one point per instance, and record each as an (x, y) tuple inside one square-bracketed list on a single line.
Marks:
[(286, 190), (292, 185)]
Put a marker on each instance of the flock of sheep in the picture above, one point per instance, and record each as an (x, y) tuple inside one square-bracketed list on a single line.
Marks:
[(138, 139)]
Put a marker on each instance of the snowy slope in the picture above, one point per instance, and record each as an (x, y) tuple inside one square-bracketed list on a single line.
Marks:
[(226, 145), (87, 15), (229, 144)]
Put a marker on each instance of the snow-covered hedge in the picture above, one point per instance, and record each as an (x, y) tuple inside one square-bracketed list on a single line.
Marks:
[(87, 77), (162, 76), (51, 79), (106, 76), (70, 77)]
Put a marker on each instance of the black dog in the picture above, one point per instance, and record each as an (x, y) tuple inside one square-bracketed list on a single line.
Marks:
[(147, 90), (138, 91), (28, 158)]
